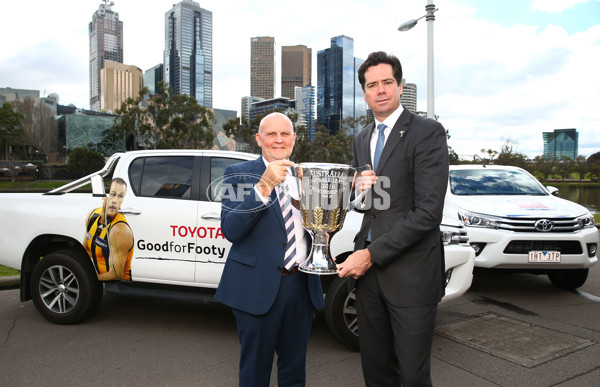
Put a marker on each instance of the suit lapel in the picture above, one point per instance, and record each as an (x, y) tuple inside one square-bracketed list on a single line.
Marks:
[(364, 152), (258, 168)]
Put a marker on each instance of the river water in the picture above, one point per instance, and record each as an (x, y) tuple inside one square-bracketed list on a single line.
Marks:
[(586, 196)]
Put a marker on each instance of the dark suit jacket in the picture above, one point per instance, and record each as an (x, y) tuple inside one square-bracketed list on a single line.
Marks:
[(406, 244), (252, 271)]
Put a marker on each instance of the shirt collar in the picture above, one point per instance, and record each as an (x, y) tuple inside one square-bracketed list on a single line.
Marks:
[(390, 121)]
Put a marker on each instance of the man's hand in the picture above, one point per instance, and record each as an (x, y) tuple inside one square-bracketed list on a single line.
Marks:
[(356, 265), (273, 176), (366, 180)]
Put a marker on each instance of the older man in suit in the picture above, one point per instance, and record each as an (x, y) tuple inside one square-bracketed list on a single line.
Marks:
[(398, 263), (272, 301)]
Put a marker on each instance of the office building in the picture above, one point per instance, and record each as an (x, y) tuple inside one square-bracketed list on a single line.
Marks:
[(339, 94), (246, 102), (409, 96), (106, 43), (267, 105), (262, 67), (561, 143), (306, 108), (296, 69), (118, 82), (152, 77), (188, 58)]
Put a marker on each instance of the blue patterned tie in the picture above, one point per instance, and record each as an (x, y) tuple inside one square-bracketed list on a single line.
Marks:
[(379, 145), (378, 150)]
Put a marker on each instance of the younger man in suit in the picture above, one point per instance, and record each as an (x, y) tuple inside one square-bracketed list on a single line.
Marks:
[(398, 263)]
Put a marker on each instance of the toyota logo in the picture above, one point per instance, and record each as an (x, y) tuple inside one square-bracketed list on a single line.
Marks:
[(544, 225)]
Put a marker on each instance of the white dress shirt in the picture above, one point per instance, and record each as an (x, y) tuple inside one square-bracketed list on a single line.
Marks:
[(301, 243)]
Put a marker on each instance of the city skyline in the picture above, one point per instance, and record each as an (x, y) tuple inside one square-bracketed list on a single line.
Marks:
[(503, 71)]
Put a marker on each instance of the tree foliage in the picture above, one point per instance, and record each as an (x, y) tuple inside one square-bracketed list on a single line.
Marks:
[(11, 129), (165, 120), (83, 161)]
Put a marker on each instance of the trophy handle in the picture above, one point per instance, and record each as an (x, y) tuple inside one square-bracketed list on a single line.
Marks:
[(354, 203)]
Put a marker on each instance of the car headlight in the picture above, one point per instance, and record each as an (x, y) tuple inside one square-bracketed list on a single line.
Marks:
[(472, 219), (453, 235), (586, 221)]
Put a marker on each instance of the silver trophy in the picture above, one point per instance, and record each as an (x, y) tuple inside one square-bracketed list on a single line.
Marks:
[(324, 191)]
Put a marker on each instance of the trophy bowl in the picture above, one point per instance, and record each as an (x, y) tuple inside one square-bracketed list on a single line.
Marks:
[(324, 191)]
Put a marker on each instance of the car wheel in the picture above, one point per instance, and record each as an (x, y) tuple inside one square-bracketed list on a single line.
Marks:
[(65, 288), (340, 313), (568, 278)]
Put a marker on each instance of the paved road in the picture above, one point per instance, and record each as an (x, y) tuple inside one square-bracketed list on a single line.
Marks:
[(508, 330)]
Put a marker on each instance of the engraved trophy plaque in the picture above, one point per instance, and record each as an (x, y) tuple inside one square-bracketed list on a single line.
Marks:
[(324, 199)]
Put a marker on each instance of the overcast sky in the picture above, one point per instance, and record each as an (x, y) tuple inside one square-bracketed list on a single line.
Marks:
[(504, 70)]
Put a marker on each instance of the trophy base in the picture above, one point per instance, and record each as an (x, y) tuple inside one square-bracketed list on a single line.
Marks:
[(319, 261)]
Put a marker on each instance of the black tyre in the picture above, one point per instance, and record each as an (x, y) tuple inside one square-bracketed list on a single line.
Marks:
[(65, 288), (340, 313), (568, 278)]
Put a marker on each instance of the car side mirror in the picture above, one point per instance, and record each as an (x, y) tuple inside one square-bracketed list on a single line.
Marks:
[(553, 190), (98, 186)]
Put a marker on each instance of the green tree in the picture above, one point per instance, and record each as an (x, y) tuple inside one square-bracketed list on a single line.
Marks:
[(564, 167), (303, 148), (452, 156), (165, 120), (11, 129), (492, 154), (509, 156), (82, 161), (543, 166), (352, 126), (581, 167)]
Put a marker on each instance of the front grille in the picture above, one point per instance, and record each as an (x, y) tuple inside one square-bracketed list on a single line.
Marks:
[(524, 247), (528, 224)]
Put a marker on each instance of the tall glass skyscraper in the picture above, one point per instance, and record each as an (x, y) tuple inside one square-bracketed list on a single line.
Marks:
[(561, 142), (106, 43), (188, 51), (339, 94)]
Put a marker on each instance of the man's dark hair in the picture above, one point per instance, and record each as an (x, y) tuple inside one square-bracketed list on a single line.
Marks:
[(376, 58)]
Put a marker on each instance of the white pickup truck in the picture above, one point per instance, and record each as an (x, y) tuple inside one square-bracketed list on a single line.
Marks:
[(173, 212)]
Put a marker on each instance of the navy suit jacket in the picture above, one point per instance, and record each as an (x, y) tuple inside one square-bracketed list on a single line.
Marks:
[(252, 272), (406, 244)]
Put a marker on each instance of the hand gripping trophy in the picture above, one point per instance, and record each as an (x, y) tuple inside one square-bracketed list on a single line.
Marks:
[(324, 199)]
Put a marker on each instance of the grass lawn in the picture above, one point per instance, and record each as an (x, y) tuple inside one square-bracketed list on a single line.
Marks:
[(4, 271), (39, 184)]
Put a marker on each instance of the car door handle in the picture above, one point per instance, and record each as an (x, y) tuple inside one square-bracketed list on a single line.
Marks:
[(131, 211), (212, 215)]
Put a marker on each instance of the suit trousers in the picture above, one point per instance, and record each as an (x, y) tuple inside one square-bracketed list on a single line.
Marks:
[(283, 330), (395, 342)]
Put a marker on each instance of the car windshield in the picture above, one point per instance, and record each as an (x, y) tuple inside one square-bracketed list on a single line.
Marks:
[(494, 182)]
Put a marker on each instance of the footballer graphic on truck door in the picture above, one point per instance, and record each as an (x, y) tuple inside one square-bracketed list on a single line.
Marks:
[(108, 237)]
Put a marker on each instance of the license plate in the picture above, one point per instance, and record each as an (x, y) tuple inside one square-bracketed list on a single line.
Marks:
[(544, 256)]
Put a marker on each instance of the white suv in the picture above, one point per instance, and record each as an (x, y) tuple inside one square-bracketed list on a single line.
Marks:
[(514, 222)]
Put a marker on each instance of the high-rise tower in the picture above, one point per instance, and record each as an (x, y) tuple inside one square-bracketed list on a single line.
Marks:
[(188, 51), (106, 43), (560, 144), (409, 96), (296, 69), (339, 94), (262, 67)]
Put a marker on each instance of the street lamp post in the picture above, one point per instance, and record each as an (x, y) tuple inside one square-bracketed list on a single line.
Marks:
[(429, 17)]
